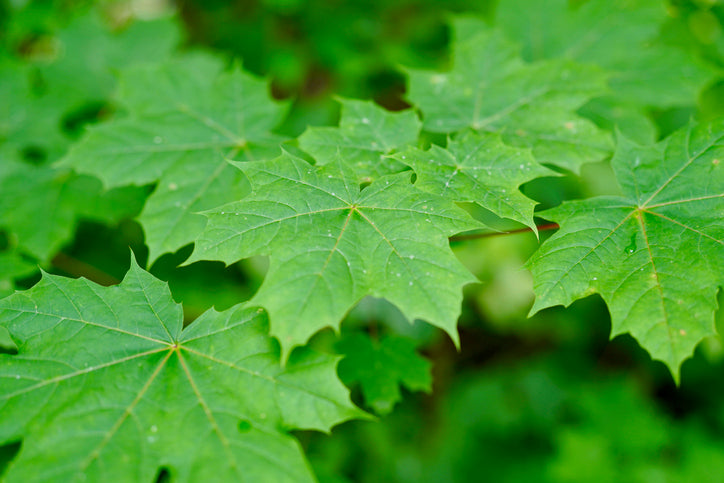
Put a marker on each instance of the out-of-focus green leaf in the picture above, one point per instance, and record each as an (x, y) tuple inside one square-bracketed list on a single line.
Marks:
[(380, 367), (54, 199), (12, 265), (617, 35), (533, 105)]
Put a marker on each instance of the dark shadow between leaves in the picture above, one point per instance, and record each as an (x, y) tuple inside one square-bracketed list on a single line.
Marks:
[(7, 454)]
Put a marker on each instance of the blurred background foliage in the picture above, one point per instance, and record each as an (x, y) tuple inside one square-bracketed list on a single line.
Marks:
[(546, 398)]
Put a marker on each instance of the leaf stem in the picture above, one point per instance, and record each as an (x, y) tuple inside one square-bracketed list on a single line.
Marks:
[(77, 268), (476, 236)]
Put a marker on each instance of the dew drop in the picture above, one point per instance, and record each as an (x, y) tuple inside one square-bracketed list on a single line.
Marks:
[(158, 140), (172, 186), (154, 428), (365, 120), (631, 246)]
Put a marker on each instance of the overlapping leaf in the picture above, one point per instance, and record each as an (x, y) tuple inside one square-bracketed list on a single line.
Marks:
[(380, 367), (616, 35), (366, 133), (185, 119), (656, 255), (478, 167), (332, 244), (534, 105), (108, 383)]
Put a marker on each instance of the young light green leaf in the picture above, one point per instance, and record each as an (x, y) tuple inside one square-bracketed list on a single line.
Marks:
[(185, 120), (107, 381), (331, 244), (380, 367), (656, 255), (479, 168), (616, 35), (366, 133), (532, 105)]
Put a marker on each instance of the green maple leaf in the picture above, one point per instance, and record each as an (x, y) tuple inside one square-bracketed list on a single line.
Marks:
[(533, 105), (480, 168), (108, 383), (331, 244), (366, 134), (616, 35), (185, 120), (656, 255), (28, 121), (381, 366)]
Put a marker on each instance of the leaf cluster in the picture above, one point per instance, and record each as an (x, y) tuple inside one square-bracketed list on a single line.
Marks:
[(198, 151)]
